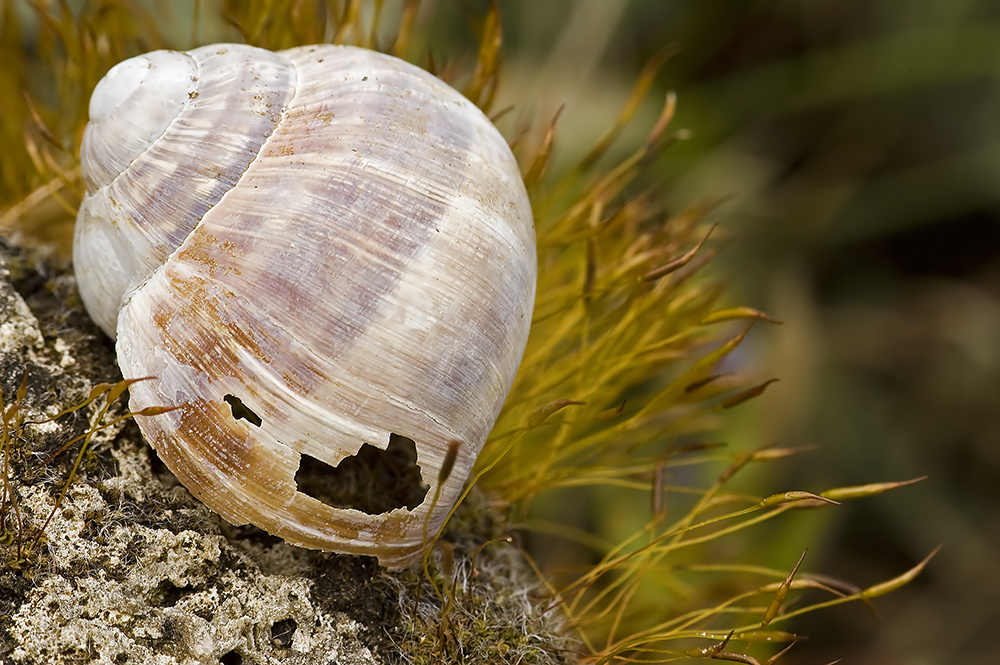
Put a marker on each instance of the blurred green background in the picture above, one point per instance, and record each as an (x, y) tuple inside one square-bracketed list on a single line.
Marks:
[(857, 141), (857, 145)]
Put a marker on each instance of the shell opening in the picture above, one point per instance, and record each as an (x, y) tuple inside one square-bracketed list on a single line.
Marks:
[(241, 411), (373, 481)]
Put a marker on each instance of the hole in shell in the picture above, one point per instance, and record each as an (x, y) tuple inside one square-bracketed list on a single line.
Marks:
[(373, 481), (241, 411)]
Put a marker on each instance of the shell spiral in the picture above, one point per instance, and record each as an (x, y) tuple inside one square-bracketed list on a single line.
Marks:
[(315, 253)]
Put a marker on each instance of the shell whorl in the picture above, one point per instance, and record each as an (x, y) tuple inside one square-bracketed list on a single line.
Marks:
[(334, 237), (147, 193)]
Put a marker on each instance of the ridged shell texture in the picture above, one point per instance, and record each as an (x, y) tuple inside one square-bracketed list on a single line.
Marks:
[(315, 253)]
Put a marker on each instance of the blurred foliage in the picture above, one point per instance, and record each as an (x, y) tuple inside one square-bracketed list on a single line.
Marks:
[(854, 141), (858, 142)]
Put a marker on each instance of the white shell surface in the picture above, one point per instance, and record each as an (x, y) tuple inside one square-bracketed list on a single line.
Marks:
[(126, 227), (130, 108), (349, 251)]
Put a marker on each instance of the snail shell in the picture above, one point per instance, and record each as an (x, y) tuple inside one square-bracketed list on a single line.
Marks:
[(309, 251)]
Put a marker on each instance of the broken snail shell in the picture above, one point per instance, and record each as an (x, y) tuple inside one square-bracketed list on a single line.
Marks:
[(318, 254)]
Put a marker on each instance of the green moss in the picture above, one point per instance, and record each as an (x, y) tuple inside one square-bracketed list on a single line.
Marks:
[(478, 600)]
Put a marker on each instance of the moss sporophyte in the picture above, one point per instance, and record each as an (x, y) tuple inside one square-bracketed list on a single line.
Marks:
[(592, 527)]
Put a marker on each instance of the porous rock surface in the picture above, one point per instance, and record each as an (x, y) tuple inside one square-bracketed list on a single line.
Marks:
[(129, 568)]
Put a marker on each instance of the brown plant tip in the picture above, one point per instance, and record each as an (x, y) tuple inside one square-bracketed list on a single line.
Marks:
[(611, 414), (642, 85), (745, 395), (533, 176), (860, 491), (769, 454), (542, 414), (794, 497), (691, 387), (782, 593), (698, 446), (736, 313), (449, 460), (897, 582), (680, 261)]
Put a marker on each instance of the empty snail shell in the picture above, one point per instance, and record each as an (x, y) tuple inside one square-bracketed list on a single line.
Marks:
[(317, 253)]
